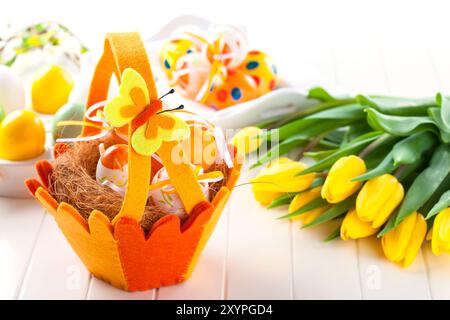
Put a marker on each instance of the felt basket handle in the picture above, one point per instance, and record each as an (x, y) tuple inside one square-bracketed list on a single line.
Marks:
[(122, 51)]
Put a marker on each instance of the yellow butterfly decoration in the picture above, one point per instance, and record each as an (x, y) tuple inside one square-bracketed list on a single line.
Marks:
[(134, 105)]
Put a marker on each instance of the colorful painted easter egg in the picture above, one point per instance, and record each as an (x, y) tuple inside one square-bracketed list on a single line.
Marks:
[(22, 136), (261, 68), (172, 51), (190, 73), (236, 88), (200, 147), (231, 44), (12, 92), (166, 198), (50, 89), (112, 167), (70, 111)]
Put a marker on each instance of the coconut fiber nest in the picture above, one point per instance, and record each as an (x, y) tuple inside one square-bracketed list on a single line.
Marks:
[(73, 181)]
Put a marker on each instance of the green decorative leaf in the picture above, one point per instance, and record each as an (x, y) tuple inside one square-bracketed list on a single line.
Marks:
[(398, 125), (389, 225), (443, 203), (398, 106), (411, 149), (385, 166), (334, 212), (351, 148), (426, 182), (314, 204)]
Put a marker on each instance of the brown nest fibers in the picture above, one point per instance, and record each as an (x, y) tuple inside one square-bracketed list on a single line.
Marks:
[(73, 181)]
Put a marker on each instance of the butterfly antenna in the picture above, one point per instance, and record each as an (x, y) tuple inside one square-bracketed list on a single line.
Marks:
[(171, 91), (180, 107)]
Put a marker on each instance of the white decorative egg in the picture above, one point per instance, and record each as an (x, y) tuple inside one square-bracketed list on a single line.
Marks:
[(12, 92), (166, 199), (112, 167)]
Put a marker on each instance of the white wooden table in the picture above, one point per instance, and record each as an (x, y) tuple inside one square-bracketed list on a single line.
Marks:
[(251, 255)]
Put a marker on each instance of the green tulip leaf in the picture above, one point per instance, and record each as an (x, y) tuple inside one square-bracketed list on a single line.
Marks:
[(398, 125), (426, 182), (314, 204), (281, 200), (411, 149), (351, 148), (398, 106), (436, 115), (333, 235), (389, 225), (319, 155), (320, 94), (278, 150), (349, 111), (443, 203), (334, 212), (444, 102), (2, 112), (385, 166), (356, 130)]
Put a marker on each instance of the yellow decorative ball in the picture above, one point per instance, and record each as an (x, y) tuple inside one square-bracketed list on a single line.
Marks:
[(22, 136), (50, 89)]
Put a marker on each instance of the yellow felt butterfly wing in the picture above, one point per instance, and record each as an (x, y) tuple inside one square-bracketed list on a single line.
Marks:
[(161, 127), (132, 100)]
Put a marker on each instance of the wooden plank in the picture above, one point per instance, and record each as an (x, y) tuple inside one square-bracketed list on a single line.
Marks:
[(55, 271), (207, 280), (323, 270), (365, 70), (100, 290), (21, 220), (259, 254)]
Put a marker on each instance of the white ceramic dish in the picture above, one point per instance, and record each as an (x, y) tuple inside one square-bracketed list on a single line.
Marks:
[(14, 173)]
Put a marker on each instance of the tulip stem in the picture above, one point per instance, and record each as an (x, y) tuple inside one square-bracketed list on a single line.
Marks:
[(311, 145), (371, 147)]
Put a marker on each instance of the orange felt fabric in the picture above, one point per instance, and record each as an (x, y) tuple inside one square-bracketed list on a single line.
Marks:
[(93, 242), (122, 51), (44, 170), (32, 185), (165, 256), (59, 148), (181, 175)]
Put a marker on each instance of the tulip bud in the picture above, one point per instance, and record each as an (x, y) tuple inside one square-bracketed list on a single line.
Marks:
[(353, 228), (280, 176), (303, 198), (247, 140), (440, 239), (338, 185), (378, 198), (402, 244)]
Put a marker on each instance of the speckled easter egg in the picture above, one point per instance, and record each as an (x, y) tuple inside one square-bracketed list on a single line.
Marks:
[(12, 92), (112, 167), (172, 51), (236, 88), (189, 75), (166, 199), (261, 68)]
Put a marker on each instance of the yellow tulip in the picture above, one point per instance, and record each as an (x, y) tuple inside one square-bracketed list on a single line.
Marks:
[(440, 239), (301, 200), (353, 228), (247, 140), (338, 185), (378, 198), (402, 244), (280, 177)]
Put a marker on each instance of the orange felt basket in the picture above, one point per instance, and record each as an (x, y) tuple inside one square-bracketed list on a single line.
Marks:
[(119, 251)]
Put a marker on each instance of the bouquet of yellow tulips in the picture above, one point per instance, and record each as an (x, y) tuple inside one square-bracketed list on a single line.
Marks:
[(382, 167)]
